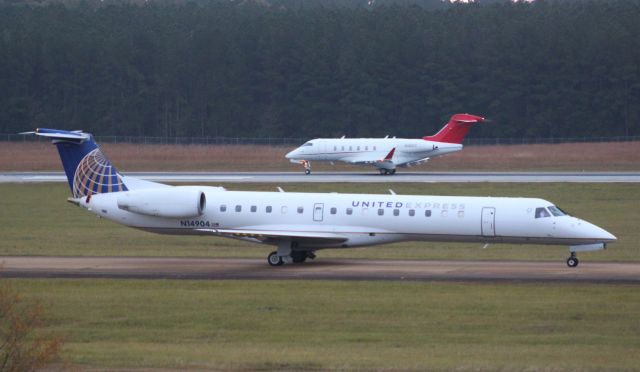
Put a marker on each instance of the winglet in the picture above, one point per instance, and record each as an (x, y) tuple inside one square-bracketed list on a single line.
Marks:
[(389, 155)]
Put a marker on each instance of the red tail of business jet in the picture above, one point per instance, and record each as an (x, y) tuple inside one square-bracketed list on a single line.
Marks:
[(456, 129)]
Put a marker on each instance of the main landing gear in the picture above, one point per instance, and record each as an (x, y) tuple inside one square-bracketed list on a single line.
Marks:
[(387, 171), (296, 257), (288, 252), (572, 261)]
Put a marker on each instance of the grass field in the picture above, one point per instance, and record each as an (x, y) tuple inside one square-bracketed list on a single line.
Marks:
[(36, 220), (614, 156), (294, 325)]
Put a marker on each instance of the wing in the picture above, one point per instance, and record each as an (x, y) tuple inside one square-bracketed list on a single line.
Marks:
[(272, 236)]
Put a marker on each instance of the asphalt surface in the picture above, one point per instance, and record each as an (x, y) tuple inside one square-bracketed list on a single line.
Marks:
[(368, 177), (320, 269)]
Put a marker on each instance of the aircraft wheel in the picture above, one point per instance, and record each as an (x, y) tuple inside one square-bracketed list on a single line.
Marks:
[(298, 257), (392, 171), (383, 171), (307, 171), (572, 261), (274, 259)]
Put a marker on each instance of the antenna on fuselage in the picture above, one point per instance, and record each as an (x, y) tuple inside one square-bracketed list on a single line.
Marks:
[(280, 189), (392, 192)]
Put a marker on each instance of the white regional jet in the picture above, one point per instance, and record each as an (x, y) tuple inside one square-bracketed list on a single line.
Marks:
[(386, 153), (299, 224)]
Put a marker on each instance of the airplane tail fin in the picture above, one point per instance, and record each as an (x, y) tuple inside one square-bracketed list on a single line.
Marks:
[(88, 170), (456, 129)]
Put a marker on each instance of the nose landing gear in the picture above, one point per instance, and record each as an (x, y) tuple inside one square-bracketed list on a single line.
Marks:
[(573, 261), (307, 166)]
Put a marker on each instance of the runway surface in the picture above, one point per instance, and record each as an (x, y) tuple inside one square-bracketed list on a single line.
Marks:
[(368, 177), (320, 269)]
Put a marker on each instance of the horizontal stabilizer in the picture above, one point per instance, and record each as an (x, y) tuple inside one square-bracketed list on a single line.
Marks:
[(57, 134)]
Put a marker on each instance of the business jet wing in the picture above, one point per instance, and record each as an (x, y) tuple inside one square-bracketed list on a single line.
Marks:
[(266, 236)]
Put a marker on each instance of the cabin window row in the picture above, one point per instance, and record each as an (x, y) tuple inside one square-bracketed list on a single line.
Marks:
[(254, 208), (332, 210), (342, 148), (396, 212)]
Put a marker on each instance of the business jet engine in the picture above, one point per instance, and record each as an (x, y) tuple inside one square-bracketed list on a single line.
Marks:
[(170, 202)]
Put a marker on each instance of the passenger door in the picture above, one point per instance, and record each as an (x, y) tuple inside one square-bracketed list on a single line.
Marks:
[(488, 221)]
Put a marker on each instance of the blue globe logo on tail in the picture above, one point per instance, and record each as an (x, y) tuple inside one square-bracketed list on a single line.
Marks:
[(95, 175), (88, 171)]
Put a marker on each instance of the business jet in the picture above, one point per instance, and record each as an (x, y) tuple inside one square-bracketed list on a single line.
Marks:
[(300, 224), (386, 153)]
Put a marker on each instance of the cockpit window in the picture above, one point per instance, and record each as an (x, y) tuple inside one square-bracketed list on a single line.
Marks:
[(556, 211), (308, 144), (542, 212)]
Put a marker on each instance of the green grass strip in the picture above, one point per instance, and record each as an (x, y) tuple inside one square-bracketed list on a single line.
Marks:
[(296, 325)]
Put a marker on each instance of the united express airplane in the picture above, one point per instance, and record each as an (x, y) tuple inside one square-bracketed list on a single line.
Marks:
[(299, 224), (386, 153)]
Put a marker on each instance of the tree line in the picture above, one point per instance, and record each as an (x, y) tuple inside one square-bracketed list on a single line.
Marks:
[(284, 68)]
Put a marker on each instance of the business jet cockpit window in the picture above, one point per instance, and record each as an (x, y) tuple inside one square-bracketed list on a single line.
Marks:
[(542, 213), (308, 144)]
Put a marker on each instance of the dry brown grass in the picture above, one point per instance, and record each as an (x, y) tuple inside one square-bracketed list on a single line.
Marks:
[(615, 156), (607, 156)]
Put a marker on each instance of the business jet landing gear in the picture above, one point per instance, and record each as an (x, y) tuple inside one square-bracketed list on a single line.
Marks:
[(307, 166), (572, 261), (387, 171)]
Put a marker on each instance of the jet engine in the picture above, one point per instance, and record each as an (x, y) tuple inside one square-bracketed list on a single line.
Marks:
[(172, 202)]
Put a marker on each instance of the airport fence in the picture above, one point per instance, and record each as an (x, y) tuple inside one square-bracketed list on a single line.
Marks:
[(296, 141)]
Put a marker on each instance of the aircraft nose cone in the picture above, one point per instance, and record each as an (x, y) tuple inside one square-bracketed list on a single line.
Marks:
[(607, 236), (600, 234), (290, 154)]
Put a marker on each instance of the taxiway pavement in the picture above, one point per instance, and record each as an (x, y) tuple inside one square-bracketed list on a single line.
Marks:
[(319, 269), (368, 177)]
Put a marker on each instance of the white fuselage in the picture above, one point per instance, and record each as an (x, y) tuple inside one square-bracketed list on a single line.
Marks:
[(362, 219), (372, 150)]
